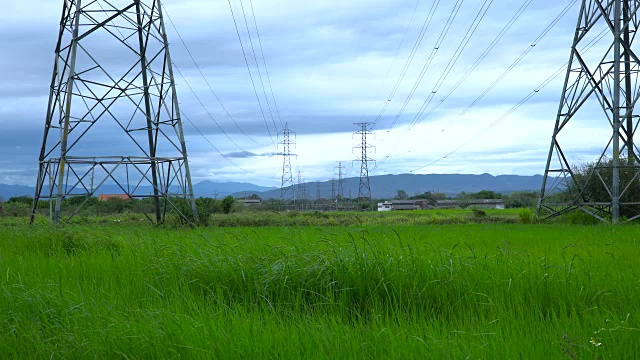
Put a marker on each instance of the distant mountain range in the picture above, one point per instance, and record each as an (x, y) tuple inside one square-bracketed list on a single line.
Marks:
[(386, 186), (201, 189), (383, 186)]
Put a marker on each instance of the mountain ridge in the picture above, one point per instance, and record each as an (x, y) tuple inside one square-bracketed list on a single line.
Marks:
[(382, 186), (386, 186)]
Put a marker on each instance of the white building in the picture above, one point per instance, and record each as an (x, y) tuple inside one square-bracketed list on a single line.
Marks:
[(385, 206)]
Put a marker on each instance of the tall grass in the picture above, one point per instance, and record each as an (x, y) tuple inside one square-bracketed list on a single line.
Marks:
[(478, 290)]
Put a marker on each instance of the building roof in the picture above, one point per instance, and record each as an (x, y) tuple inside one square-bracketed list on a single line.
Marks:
[(471, 201), (105, 197), (250, 201)]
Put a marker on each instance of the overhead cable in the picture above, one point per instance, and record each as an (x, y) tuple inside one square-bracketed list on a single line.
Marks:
[(425, 68), (184, 44), (255, 58), (246, 61)]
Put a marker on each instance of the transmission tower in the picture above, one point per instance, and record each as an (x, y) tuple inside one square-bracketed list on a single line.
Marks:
[(340, 194), (364, 189), (287, 196), (113, 122), (334, 199), (608, 81), (302, 192), (305, 193)]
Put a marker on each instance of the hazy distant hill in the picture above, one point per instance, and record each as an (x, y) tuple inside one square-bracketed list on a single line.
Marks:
[(386, 186), (9, 191), (204, 188), (221, 189)]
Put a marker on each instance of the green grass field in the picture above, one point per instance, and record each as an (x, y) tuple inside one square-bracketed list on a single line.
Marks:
[(364, 291)]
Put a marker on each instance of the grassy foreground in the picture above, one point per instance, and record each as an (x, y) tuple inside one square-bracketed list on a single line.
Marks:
[(440, 291)]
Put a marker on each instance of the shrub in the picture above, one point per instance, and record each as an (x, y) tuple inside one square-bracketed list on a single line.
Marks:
[(478, 213), (526, 215)]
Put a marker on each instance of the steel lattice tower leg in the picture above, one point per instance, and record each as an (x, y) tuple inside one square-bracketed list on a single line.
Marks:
[(609, 80), (113, 116), (287, 196), (364, 189)]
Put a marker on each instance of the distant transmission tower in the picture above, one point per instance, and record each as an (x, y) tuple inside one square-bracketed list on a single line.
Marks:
[(113, 123), (287, 195), (334, 199), (305, 193), (609, 80), (340, 194), (302, 192), (364, 189)]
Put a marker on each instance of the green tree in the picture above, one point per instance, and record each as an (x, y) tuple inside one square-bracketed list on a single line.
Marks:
[(521, 199), (113, 205), (20, 200), (433, 197), (485, 194), (590, 180), (227, 204), (401, 195)]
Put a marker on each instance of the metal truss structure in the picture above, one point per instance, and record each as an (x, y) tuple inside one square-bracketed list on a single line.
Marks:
[(340, 172), (113, 117), (302, 198), (287, 195), (364, 189), (606, 78)]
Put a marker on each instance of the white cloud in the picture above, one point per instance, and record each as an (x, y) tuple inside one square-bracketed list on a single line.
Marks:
[(329, 64)]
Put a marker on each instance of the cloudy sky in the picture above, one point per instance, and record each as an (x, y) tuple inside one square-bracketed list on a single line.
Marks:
[(331, 64)]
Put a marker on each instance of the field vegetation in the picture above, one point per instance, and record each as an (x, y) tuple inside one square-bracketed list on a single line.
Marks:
[(373, 286)]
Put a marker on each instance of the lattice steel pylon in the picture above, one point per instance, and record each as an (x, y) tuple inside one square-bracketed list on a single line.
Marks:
[(334, 198), (340, 194), (364, 189), (113, 116), (287, 195), (609, 187)]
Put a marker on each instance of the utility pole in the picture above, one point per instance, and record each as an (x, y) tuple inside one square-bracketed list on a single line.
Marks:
[(287, 196), (608, 189), (135, 102), (364, 189)]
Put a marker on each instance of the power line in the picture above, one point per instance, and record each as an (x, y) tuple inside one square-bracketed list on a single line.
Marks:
[(591, 44), (509, 24), (246, 61), (482, 12), (404, 36), (266, 68), (407, 64), (205, 108), (255, 58), (522, 56), (205, 78), (425, 68), (482, 56), (213, 146)]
